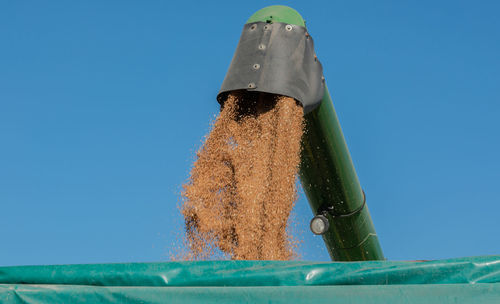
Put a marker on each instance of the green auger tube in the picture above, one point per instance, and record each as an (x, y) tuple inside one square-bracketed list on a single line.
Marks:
[(327, 173)]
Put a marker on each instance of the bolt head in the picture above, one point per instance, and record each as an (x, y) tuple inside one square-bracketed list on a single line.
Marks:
[(288, 27)]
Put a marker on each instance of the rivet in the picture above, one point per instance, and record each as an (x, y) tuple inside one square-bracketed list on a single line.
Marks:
[(288, 27), (256, 66), (253, 27), (251, 85), (262, 47), (266, 27)]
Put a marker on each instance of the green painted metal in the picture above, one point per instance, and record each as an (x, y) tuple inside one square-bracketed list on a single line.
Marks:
[(329, 180), (327, 173), (277, 13)]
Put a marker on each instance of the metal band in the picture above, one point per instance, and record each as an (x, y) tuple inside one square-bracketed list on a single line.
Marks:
[(276, 58), (330, 211)]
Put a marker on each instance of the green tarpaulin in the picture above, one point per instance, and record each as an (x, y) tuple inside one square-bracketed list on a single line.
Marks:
[(464, 280)]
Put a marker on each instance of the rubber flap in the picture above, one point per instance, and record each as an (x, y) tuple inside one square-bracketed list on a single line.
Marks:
[(276, 58)]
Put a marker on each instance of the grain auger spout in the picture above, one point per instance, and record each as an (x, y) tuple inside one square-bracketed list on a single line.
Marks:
[(276, 55)]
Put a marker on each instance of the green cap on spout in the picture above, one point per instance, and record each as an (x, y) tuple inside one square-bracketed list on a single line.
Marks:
[(278, 13)]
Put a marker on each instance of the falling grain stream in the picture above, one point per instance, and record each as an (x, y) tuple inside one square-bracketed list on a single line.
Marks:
[(241, 190)]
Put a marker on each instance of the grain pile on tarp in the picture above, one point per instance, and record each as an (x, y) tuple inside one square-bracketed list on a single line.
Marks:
[(241, 191)]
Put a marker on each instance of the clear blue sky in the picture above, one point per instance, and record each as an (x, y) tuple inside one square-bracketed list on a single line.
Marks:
[(104, 103)]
